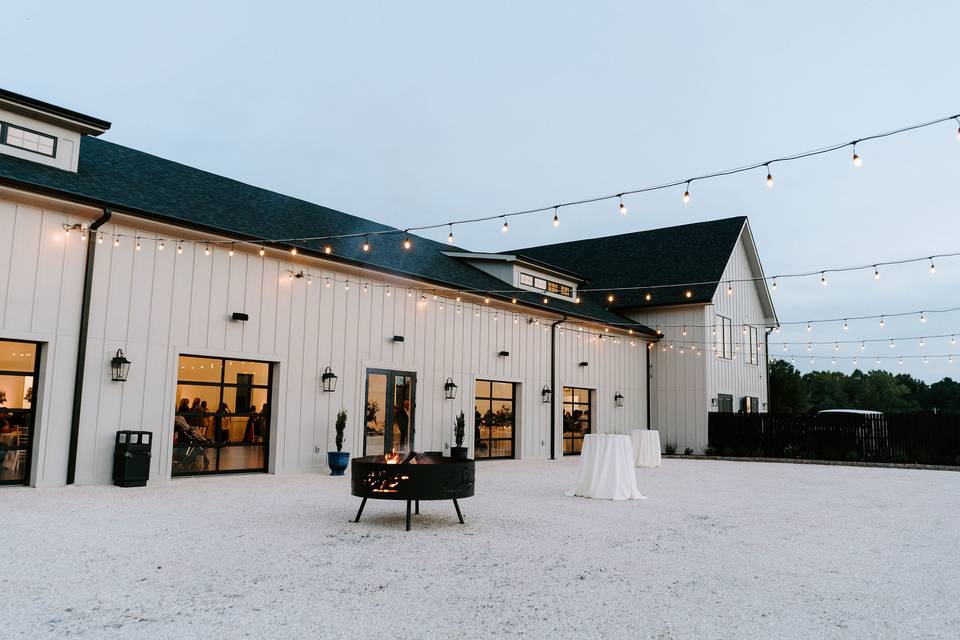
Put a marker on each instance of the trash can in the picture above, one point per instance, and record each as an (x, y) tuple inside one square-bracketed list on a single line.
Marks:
[(131, 458)]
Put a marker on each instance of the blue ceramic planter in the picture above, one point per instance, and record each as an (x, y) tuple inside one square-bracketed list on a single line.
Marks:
[(337, 461)]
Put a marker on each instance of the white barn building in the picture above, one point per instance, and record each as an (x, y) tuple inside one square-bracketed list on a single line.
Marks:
[(201, 283)]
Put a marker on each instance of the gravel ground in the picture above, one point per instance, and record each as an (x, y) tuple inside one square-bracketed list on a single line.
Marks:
[(719, 550)]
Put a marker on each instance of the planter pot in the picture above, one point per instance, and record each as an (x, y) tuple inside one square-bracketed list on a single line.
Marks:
[(337, 461), (458, 453)]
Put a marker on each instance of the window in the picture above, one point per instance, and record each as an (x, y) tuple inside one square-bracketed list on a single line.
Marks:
[(753, 346), (494, 419), (550, 286), (724, 403), (29, 140), (222, 421), (750, 404), (724, 337), (577, 418), (19, 369)]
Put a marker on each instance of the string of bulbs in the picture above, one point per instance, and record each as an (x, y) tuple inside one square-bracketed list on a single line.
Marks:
[(921, 341), (766, 165), (925, 358)]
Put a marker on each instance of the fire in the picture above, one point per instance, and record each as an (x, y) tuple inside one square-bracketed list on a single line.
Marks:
[(392, 457)]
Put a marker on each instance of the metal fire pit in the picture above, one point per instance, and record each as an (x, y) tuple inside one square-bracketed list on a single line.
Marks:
[(413, 478)]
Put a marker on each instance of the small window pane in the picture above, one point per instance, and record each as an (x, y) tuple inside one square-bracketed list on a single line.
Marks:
[(199, 369), (526, 279), (503, 390), (30, 141), (247, 372)]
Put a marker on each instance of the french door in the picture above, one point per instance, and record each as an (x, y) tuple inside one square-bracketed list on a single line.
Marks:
[(19, 372), (389, 411)]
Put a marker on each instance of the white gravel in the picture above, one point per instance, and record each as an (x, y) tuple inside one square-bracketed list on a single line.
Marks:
[(719, 550)]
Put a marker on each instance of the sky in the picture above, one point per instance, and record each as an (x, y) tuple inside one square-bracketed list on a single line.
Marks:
[(418, 113)]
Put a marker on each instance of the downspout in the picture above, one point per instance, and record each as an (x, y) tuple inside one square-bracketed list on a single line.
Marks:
[(649, 368), (82, 343), (766, 364), (553, 387)]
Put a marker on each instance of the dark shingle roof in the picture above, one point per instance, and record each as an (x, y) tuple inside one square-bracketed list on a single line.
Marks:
[(112, 175), (696, 252)]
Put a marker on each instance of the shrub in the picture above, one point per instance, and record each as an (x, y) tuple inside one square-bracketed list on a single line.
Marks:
[(709, 451), (340, 425), (459, 426), (670, 449), (688, 451)]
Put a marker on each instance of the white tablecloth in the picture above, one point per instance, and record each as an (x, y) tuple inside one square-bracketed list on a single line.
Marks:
[(646, 447), (606, 469)]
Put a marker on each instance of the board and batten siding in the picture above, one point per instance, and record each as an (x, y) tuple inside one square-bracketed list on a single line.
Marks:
[(157, 305)]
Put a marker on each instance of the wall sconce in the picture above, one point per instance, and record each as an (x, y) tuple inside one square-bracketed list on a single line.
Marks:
[(119, 367), (504, 354), (618, 399), (329, 379), (545, 394), (584, 364), (450, 389)]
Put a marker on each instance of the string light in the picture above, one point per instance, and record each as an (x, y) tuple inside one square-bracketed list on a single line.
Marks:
[(774, 286), (622, 207), (116, 241), (729, 289), (406, 242), (293, 251), (309, 279), (923, 317), (99, 238), (922, 343), (366, 244), (388, 292), (328, 249), (160, 246), (263, 252), (857, 162), (364, 287), (933, 267), (179, 248), (882, 322), (769, 177), (556, 217), (809, 327), (450, 235), (876, 273), (845, 325), (206, 250), (138, 244), (230, 253), (686, 193), (823, 278), (506, 226)]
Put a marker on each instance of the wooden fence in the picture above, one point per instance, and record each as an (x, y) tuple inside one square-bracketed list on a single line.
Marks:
[(923, 438)]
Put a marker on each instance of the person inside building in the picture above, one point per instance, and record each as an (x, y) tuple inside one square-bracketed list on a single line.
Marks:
[(252, 420), (221, 424), (402, 420)]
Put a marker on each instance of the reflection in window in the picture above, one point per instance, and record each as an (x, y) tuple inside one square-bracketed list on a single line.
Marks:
[(577, 418), (18, 371), (494, 420), (222, 421)]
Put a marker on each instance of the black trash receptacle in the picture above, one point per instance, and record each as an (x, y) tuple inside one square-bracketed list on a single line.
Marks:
[(131, 458)]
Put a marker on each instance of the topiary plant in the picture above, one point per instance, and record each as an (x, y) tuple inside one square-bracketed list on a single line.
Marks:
[(459, 427), (340, 426)]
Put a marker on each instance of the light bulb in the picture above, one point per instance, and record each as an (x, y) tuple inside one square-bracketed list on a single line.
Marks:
[(648, 297), (933, 267), (876, 273), (684, 330), (388, 292), (406, 242), (262, 252), (922, 343), (845, 326), (862, 346), (230, 253), (836, 346), (138, 244), (328, 249), (823, 279), (309, 279), (66, 231), (346, 286), (293, 251), (809, 346), (809, 328), (326, 283), (953, 339), (774, 287), (893, 344), (206, 250), (366, 244), (882, 322), (769, 178), (364, 287), (506, 226), (556, 218), (686, 194), (450, 235), (160, 246), (179, 249), (610, 298), (623, 207), (923, 318), (729, 289), (99, 238), (116, 241), (856, 159), (290, 276)]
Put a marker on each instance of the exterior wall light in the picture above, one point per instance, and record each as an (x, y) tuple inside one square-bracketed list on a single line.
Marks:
[(329, 379), (119, 367), (450, 389), (618, 399), (546, 394)]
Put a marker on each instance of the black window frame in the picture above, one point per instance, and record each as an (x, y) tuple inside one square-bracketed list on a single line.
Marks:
[(513, 420), (724, 403), (574, 434), (753, 345), (5, 128), (548, 286), (31, 413), (223, 384), (724, 337)]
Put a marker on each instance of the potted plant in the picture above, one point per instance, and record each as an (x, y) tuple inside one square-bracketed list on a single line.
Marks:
[(337, 460), (459, 427)]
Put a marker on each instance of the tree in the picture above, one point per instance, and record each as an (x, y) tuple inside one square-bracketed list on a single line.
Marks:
[(788, 393)]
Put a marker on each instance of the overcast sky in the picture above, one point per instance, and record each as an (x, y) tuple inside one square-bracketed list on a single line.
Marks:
[(411, 113)]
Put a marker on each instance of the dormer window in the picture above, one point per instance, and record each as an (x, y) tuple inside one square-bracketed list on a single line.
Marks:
[(543, 284), (28, 140)]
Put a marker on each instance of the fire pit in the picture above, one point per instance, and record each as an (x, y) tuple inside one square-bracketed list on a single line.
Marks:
[(413, 477)]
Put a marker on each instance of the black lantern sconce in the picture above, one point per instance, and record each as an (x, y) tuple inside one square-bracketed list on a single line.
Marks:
[(119, 367), (450, 389), (329, 379), (546, 395), (618, 399)]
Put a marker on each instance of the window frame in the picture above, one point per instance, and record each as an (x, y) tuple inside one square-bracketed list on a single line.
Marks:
[(491, 398), (724, 337), (753, 345), (724, 398), (5, 131), (549, 286), (572, 403)]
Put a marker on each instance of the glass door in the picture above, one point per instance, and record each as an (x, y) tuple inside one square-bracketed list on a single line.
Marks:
[(493, 419), (389, 411), (19, 365), (577, 419)]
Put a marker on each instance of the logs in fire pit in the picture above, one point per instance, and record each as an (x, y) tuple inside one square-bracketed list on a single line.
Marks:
[(413, 477)]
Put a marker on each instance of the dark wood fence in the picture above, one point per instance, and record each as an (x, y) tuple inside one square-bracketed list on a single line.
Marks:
[(924, 438)]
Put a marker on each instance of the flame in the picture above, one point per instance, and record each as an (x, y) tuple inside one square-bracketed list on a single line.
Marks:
[(392, 457)]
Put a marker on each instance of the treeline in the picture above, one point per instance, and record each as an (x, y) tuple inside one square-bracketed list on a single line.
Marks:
[(791, 392)]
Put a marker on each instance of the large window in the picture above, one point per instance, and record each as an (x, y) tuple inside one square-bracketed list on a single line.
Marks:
[(550, 286), (577, 419), (723, 330), (19, 365), (222, 422), (753, 346), (494, 419), (724, 403), (28, 140)]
